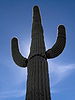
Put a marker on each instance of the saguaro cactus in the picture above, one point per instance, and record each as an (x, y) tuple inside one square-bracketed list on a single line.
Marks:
[(37, 67)]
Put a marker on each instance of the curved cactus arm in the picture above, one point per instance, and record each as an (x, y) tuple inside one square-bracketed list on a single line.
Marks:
[(17, 57), (59, 45)]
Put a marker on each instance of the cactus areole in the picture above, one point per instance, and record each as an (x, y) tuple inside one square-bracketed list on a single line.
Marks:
[(38, 86)]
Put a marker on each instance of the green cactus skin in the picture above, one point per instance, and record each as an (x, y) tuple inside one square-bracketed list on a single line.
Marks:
[(38, 87), (58, 47), (17, 57)]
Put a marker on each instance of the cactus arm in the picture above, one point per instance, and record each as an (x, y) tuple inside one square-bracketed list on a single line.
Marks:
[(58, 47), (17, 57)]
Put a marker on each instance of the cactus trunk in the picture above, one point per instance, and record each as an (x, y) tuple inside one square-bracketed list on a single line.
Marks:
[(37, 79)]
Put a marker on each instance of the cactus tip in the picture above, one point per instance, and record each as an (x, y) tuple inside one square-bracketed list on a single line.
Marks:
[(35, 9), (61, 27)]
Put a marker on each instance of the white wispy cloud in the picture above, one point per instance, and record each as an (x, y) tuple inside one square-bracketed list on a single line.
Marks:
[(57, 72)]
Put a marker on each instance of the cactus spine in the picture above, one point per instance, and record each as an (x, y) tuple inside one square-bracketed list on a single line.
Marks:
[(37, 67)]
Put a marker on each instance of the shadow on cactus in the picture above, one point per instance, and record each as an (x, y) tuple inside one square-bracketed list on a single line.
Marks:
[(38, 86)]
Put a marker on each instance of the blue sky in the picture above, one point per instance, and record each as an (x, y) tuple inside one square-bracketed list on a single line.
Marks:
[(16, 20)]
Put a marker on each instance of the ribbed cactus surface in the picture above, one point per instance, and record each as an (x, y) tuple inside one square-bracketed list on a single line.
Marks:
[(38, 84)]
